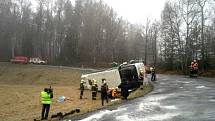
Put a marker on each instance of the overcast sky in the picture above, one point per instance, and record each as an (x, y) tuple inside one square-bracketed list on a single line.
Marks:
[(137, 11)]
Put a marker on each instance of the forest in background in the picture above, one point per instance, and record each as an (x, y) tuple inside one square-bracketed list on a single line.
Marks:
[(89, 32)]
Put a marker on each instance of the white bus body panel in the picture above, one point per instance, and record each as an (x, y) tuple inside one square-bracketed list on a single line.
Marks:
[(112, 78)]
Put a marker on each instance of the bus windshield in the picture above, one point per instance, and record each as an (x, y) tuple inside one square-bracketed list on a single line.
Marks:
[(128, 74)]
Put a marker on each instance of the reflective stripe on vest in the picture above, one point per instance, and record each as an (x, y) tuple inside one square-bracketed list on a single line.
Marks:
[(45, 98)]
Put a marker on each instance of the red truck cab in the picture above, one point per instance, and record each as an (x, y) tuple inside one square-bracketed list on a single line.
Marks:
[(19, 60)]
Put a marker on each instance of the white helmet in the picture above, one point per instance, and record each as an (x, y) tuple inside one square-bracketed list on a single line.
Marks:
[(94, 81)]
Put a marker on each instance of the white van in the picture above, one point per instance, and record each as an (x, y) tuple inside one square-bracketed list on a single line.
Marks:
[(115, 76), (37, 60)]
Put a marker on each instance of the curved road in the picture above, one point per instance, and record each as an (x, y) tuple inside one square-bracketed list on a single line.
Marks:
[(175, 98)]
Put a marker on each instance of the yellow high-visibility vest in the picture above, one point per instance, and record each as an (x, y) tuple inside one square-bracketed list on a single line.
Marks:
[(45, 98)]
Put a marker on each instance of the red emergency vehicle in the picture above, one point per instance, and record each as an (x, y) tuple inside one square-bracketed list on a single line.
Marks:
[(19, 60)]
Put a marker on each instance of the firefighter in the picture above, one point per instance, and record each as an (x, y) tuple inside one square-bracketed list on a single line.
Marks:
[(82, 88), (141, 77), (94, 89), (153, 78), (195, 67), (46, 95), (114, 93), (191, 67), (192, 64), (124, 89), (104, 90)]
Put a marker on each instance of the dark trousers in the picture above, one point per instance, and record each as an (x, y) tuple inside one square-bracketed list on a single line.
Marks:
[(81, 94), (45, 111), (193, 73), (104, 97), (94, 93), (153, 78), (125, 92)]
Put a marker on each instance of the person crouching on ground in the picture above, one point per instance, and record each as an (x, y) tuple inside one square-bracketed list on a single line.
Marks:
[(114, 93), (104, 90), (46, 97)]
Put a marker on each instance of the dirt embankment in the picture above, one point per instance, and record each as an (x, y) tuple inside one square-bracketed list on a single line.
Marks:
[(21, 86)]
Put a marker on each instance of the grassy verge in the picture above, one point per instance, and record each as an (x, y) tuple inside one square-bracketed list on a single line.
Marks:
[(37, 75)]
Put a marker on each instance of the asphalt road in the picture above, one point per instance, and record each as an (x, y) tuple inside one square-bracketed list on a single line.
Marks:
[(175, 98)]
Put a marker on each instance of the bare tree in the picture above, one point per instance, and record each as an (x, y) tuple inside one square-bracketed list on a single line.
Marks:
[(188, 9), (201, 4), (146, 39)]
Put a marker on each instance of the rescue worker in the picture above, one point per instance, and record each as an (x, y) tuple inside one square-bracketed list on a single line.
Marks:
[(153, 78), (82, 88), (191, 68), (94, 89), (114, 93), (191, 65), (104, 90), (124, 89), (194, 68), (195, 65), (46, 97), (141, 77)]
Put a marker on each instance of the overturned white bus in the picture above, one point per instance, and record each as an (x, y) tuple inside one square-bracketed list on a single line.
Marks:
[(125, 73)]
